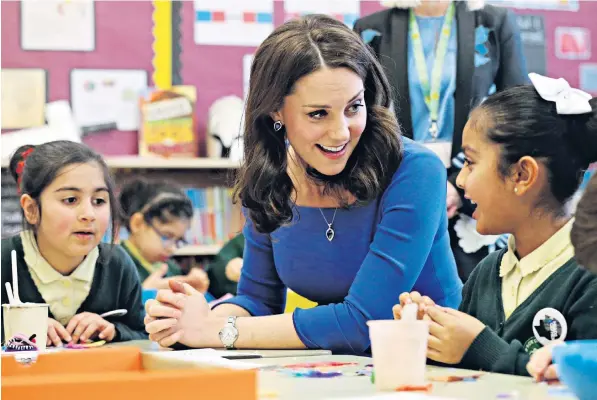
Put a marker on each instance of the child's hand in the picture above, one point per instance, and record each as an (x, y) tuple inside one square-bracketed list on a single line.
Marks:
[(413, 297), (540, 365), (56, 333), (451, 333), (86, 325), (233, 269), (198, 279), (156, 280)]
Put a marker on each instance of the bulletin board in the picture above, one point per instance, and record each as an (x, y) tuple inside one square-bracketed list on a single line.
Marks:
[(124, 38)]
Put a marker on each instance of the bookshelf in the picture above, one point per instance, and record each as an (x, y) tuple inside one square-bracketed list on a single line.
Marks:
[(198, 250)]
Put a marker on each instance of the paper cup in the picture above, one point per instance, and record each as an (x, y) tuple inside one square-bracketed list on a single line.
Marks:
[(26, 319), (399, 350)]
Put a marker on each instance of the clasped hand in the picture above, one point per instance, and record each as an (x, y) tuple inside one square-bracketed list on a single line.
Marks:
[(451, 332), (177, 315)]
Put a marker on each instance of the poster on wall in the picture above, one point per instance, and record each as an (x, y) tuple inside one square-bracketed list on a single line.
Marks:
[(551, 5), (67, 25), (347, 11), (573, 43), (233, 22), (532, 33), (104, 97), (24, 96), (588, 78)]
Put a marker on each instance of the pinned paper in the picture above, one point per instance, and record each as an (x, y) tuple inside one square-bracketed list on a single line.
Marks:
[(233, 22), (104, 96), (347, 11), (58, 25), (23, 97)]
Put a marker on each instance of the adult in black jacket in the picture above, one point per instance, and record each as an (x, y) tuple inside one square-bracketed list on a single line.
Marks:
[(483, 54)]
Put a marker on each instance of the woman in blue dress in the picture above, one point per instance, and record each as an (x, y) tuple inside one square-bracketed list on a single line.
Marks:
[(340, 208)]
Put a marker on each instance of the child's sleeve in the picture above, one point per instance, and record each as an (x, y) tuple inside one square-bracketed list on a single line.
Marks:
[(131, 326)]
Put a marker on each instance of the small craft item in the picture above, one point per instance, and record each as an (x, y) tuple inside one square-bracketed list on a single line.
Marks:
[(20, 343), (85, 345), (509, 395), (324, 369), (415, 388), (321, 364), (456, 378)]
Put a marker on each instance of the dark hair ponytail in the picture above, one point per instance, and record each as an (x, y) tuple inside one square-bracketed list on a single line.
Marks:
[(153, 199), (524, 124), (36, 167)]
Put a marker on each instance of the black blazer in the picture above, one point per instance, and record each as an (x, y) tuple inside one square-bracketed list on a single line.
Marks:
[(506, 66)]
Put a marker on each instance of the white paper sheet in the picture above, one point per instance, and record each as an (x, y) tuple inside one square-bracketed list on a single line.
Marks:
[(347, 11), (103, 96), (58, 25), (205, 357), (247, 61), (61, 126), (233, 22)]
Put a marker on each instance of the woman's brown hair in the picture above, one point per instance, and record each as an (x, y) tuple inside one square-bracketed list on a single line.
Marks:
[(294, 50), (584, 229)]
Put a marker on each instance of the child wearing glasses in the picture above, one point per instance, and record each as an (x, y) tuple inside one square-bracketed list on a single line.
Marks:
[(157, 216)]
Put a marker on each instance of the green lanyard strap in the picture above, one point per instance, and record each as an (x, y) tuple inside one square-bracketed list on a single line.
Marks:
[(431, 93)]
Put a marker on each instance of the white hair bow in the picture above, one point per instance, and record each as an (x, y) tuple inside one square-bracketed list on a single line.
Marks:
[(569, 101)]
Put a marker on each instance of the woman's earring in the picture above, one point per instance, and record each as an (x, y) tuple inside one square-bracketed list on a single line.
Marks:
[(277, 126), (515, 190)]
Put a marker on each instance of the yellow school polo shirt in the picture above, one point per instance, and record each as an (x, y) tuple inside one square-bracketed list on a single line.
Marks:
[(64, 294), (520, 278)]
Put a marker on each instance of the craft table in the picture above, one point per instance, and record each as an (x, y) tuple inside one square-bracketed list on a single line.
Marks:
[(274, 384)]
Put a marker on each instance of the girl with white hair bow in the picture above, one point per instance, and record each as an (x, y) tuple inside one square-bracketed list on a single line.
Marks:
[(443, 58)]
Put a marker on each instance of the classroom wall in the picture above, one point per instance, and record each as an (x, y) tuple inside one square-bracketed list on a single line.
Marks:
[(124, 39)]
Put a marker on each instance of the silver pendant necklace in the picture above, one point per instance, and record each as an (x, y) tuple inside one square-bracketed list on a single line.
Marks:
[(329, 233)]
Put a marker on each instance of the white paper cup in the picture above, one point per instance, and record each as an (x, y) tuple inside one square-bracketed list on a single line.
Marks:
[(399, 350), (26, 319)]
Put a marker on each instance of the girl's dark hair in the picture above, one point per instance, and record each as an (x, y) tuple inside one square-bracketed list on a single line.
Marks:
[(294, 50), (36, 167), (154, 199), (584, 229), (524, 124)]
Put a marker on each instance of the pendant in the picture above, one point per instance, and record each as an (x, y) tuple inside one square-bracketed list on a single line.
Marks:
[(433, 130), (330, 233)]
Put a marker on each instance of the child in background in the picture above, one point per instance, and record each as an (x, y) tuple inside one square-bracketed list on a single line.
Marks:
[(224, 271), (527, 148), (157, 215), (67, 201), (584, 240)]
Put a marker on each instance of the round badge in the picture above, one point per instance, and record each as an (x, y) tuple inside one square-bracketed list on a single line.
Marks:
[(548, 325)]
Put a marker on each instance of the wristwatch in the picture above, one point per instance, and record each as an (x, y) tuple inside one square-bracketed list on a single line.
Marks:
[(228, 334)]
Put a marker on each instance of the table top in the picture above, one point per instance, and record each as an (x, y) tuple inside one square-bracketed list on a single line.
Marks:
[(277, 383)]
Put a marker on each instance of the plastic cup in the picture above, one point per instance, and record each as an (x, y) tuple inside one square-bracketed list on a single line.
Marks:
[(399, 350), (26, 319)]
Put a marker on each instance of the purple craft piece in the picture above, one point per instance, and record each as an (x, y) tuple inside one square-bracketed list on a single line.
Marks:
[(21, 343)]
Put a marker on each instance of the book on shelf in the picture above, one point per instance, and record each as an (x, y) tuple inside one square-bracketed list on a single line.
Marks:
[(168, 125)]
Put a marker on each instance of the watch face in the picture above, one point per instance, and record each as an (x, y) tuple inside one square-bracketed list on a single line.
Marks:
[(228, 335)]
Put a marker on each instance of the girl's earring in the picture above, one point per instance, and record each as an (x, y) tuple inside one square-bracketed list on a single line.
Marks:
[(277, 126), (515, 190)]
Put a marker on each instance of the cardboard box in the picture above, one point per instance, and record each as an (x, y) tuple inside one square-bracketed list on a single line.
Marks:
[(120, 373)]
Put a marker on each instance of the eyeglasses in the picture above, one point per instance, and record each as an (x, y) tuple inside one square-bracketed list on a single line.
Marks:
[(168, 241)]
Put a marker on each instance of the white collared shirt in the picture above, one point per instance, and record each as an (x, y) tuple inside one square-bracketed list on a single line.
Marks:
[(64, 294)]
